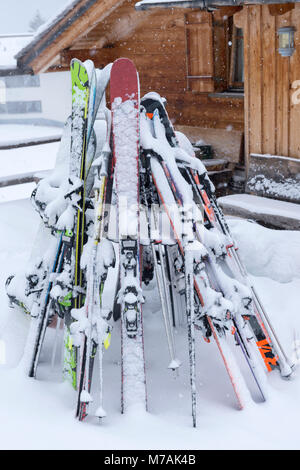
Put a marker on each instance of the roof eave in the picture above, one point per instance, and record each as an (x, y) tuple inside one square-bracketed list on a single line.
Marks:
[(42, 41), (206, 4)]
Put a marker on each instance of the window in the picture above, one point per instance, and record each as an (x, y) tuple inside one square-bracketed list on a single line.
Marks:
[(22, 81), (21, 107), (214, 54), (236, 57)]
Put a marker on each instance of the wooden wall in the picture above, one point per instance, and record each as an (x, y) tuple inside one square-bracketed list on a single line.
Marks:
[(271, 118), (158, 47)]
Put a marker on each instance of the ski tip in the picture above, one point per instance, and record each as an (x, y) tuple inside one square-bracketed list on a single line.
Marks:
[(100, 413), (174, 364), (124, 60)]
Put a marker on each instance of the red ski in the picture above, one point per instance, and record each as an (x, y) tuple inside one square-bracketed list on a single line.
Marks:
[(125, 102)]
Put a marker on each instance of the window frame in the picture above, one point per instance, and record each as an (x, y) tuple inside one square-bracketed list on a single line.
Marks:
[(234, 38)]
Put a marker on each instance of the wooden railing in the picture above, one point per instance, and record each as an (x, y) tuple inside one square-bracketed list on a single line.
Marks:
[(33, 176), (29, 142)]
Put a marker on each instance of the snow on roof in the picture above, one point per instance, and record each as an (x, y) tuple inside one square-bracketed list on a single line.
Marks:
[(46, 27), (10, 44), (158, 1), (144, 4)]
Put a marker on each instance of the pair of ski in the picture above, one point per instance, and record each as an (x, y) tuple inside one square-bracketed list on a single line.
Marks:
[(67, 252), (124, 169)]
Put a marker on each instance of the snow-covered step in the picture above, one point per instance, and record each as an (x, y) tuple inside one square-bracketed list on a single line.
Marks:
[(281, 214)]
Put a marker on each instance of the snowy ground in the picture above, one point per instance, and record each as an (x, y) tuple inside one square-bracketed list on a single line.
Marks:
[(39, 414)]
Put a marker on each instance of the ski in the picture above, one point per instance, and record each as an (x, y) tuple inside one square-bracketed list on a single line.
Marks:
[(266, 340), (174, 192), (149, 202), (96, 276), (124, 95), (83, 98), (97, 85)]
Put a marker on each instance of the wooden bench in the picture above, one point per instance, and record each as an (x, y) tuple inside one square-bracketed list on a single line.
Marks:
[(275, 177), (272, 193)]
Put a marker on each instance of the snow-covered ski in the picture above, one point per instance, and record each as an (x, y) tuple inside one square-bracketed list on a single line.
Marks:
[(125, 101), (258, 321), (124, 178)]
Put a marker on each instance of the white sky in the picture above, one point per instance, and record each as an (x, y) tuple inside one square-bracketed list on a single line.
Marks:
[(16, 14)]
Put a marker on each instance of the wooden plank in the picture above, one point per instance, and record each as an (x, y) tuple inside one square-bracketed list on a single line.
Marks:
[(196, 113), (282, 108), (161, 64), (241, 20), (286, 108), (280, 9), (100, 57), (226, 12), (163, 84), (255, 80), (269, 81), (141, 47), (294, 150), (219, 53), (150, 36), (200, 52)]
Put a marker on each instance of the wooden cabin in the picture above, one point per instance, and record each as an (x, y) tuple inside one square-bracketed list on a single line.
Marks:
[(220, 71), (180, 53)]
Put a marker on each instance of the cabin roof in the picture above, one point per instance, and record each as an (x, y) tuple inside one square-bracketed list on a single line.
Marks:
[(80, 17), (46, 27)]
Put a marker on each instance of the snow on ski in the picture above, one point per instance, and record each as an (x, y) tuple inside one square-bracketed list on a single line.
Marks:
[(124, 94)]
